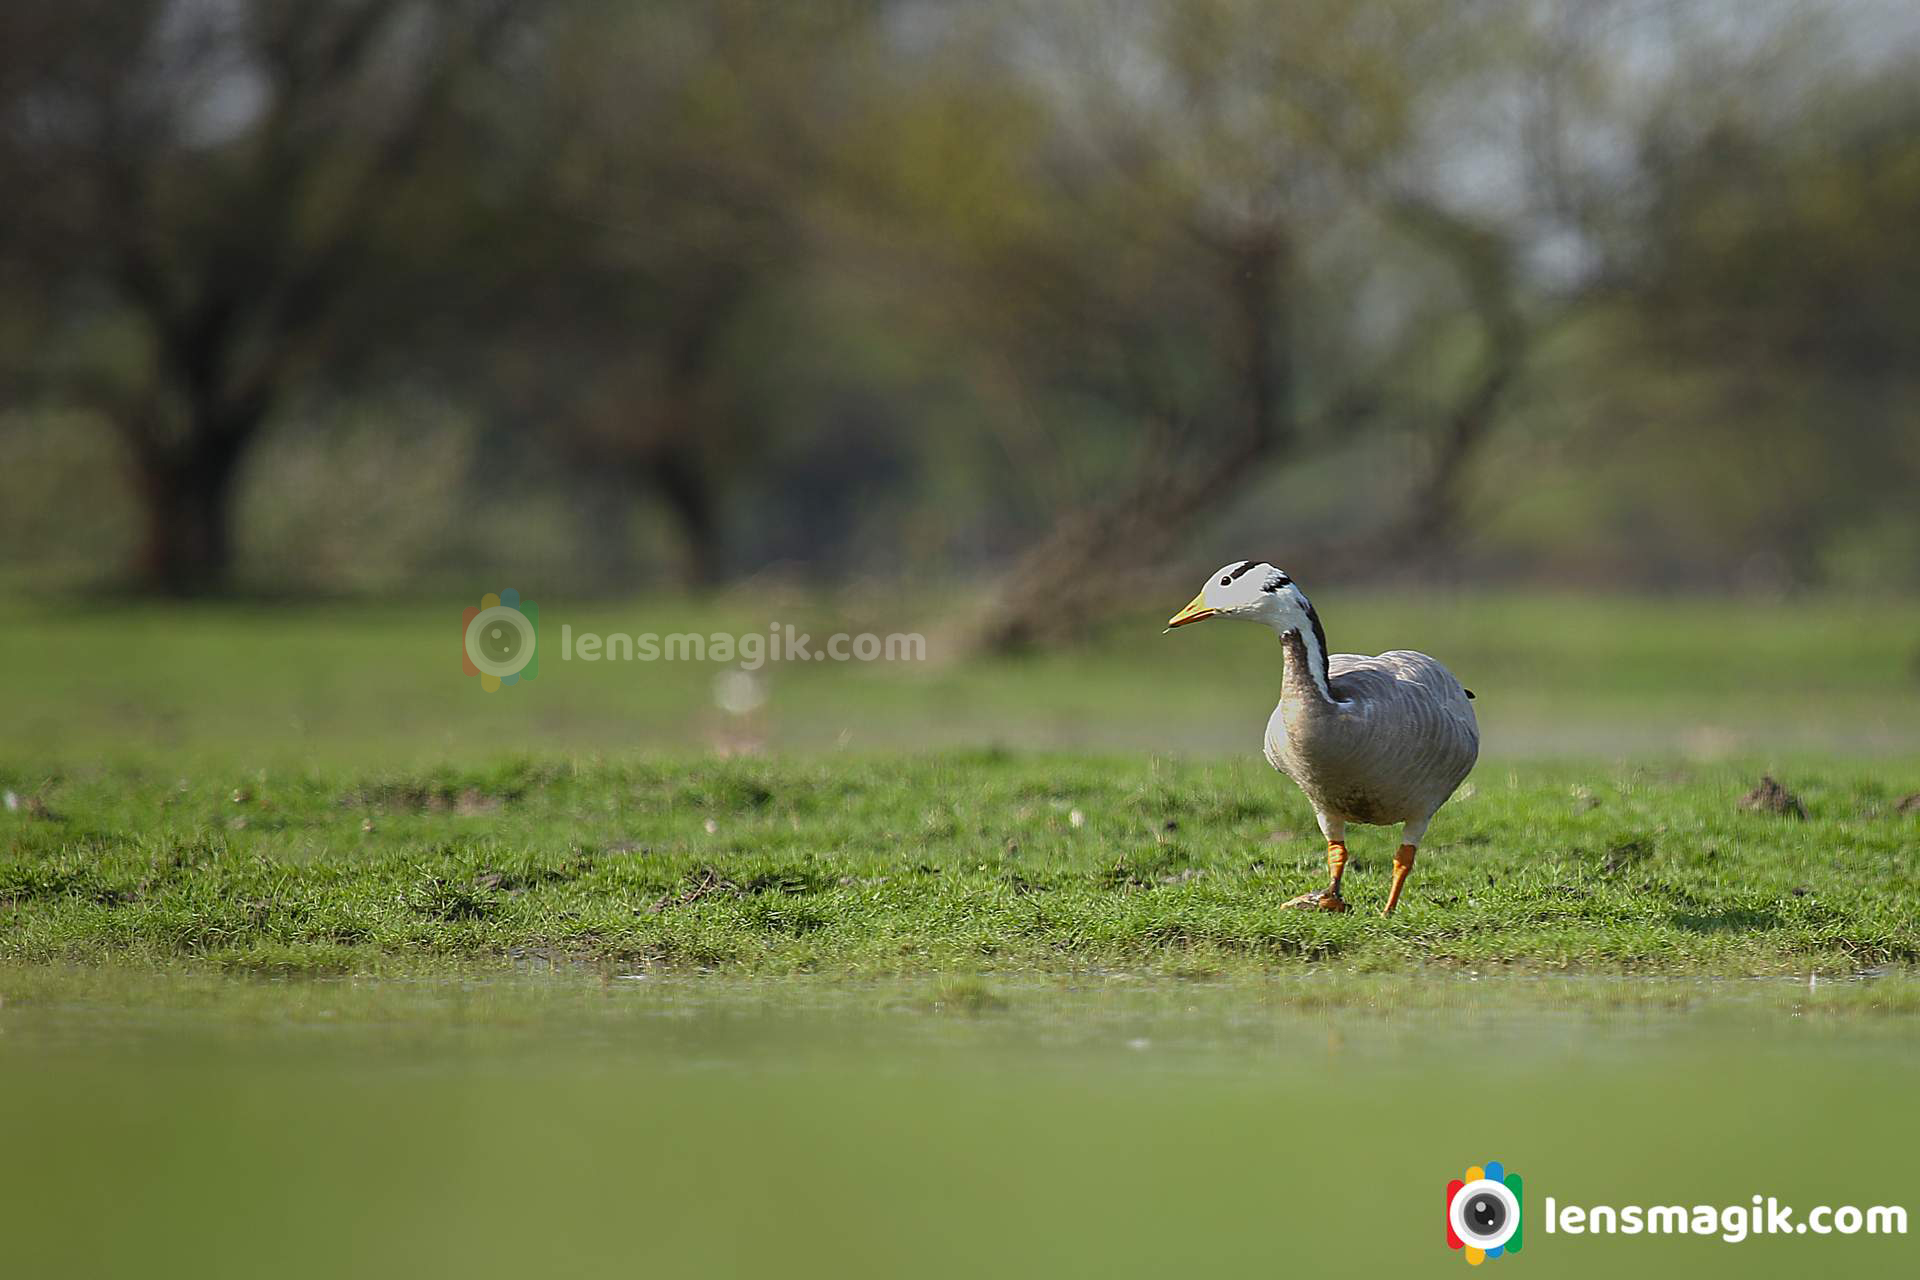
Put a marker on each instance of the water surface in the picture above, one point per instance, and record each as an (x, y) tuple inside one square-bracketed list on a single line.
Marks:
[(564, 1124)]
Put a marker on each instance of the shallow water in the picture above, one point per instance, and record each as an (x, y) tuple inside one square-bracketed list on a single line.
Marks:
[(572, 1124)]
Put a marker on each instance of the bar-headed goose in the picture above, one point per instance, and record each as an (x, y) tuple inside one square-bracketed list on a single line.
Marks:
[(1370, 740)]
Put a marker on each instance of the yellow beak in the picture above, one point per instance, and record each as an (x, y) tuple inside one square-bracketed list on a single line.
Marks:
[(1196, 611)]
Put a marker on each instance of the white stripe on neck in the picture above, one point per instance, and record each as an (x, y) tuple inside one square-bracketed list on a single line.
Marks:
[(1316, 660), (1296, 614)]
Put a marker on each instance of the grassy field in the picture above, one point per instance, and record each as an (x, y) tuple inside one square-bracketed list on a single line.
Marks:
[(344, 684), (996, 862), (320, 789), (317, 960)]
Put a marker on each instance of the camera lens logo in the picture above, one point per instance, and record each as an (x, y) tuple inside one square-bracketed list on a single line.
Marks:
[(1483, 1212), (500, 640)]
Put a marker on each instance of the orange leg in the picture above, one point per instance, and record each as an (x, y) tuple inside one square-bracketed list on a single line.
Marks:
[(1336, 863), (1402, 866), (1327, 899)]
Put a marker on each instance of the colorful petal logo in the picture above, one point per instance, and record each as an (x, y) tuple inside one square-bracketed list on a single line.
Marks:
[(500, 640), (1483, 1212)]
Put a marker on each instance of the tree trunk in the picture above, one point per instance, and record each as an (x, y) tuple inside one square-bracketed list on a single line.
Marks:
[(188, 495), (683, 485), (1425, 535), (1057, 585)]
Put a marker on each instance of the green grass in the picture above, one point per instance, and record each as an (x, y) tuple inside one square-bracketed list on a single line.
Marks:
[(951, 863), (319, 789), (345, 684)]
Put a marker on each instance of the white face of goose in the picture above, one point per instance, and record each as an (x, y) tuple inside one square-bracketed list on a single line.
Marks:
[(1249, 590)]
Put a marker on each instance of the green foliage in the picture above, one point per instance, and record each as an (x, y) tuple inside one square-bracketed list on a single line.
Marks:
[(603, 291)]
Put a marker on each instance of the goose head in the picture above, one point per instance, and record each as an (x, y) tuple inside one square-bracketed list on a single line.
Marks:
[(1248, 590)]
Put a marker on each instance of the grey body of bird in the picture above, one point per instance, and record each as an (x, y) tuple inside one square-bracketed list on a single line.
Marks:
[(1389, 741)]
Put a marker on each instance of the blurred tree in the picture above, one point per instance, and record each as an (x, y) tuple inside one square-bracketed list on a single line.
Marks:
[(684, 153), (196, 190), (1733, 403), (1146, 212), (1036, 287), (1779, 270)]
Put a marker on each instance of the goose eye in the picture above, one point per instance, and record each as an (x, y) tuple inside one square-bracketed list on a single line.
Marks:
[(1226, 582)]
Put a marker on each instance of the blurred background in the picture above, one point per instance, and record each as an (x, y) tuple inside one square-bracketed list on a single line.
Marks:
[(1571, 341), (1015, 316)]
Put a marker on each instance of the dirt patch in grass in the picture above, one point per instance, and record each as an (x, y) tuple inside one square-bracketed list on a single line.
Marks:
[(704, 883), (1148, 869), (1771, 797)]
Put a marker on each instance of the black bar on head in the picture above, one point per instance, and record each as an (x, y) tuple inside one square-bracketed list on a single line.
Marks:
[(1244, 566)]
